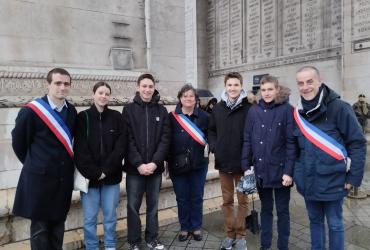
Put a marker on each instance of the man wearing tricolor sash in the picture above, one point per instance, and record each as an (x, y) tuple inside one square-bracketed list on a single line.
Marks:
[(330, 156), (42, 141)]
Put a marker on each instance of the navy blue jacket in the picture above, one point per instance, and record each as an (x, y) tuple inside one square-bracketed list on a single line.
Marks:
[(268, 142), (317, 175), (181, 141), (45, 185)]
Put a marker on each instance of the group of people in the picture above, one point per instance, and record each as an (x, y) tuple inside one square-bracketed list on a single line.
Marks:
[(318, 144)]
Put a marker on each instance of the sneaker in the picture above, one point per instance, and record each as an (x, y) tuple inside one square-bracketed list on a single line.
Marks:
[(155, 245), (240, 244), (227, 243), (133, 246)]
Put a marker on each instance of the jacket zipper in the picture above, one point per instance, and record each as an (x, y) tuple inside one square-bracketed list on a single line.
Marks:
[(147, 133), (101, 135)]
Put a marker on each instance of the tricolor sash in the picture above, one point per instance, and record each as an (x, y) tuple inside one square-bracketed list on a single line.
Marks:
[(54, 122), (320, 139), (191, 128)]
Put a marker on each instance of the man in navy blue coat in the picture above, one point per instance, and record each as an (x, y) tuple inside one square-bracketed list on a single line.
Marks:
[(45, 185), (322, 178)]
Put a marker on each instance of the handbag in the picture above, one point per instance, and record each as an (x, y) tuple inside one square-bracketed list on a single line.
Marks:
[(181, 163), (251, 221), (80, 183)]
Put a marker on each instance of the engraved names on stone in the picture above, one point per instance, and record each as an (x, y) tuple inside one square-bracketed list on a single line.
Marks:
[(269, 28), (211, 34), (223, 35), (360, 19), (253, 31), (272, 30), (236, 42), (335, 24), (292, 39), (312, 24)]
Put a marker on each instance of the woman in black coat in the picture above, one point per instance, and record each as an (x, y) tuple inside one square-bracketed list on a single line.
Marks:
[(188, 163), (269, 147), (99, 150)]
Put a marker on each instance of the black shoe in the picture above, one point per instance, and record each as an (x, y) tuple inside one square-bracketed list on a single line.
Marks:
[(198, 236), (183, 237)]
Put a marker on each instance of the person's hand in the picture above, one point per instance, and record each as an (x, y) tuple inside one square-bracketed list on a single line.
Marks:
[(143, 169), (287, 180), (248, 172), (348, 186), (151, 167)]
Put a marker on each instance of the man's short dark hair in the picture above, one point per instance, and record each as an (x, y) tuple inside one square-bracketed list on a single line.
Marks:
[(49, 77), (233, 75), (145, 76)]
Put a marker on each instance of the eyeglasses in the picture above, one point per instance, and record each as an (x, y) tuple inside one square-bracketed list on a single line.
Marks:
[(361, 96)]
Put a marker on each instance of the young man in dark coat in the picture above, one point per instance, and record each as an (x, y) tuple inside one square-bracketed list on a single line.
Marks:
[(45, 185), (269, 147), (322, 178), (225, 136), (149, 139)]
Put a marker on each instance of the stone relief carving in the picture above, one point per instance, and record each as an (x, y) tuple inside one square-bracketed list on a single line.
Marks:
[(252, 34), (18, 88)]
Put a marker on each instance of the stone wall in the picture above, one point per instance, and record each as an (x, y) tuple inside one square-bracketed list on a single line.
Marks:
[(111, 41), (277, 37)]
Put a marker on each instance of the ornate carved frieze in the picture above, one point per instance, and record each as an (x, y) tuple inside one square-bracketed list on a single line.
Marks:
[(18, 88)]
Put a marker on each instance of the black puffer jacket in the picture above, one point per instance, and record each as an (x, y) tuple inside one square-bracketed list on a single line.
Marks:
[(225, 135), (149, 133), (100, 144)]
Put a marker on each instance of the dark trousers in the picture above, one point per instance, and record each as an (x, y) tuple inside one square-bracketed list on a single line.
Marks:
[(189, 190), (282, 198), (47, 235), (136, 186)]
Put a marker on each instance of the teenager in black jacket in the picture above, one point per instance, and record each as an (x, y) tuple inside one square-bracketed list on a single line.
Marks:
[(100, 143), (149, 140), (225, 136)]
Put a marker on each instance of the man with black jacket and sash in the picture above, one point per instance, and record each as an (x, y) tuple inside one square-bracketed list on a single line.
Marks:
[(42, 141)]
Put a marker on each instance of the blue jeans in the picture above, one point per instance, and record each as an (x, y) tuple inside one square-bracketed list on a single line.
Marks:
[(333, 211), (282, 198), (189, 190), (106, 197), (136, 186)]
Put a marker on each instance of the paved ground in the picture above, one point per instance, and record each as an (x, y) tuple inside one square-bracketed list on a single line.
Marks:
[(356, 215), (357, 224)]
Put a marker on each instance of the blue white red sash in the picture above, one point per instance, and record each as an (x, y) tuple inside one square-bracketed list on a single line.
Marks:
[(320, 139), (53, 121), (191, 128)]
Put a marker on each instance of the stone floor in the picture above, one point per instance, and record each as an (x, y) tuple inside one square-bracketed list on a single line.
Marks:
[(357, 225), (356, 215)]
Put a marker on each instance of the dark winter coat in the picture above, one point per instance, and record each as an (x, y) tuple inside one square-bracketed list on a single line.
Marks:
[(45, 185), (148, 134), (225, 135), (319, 176), (268, 141), (181, 142), (100, 144)]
